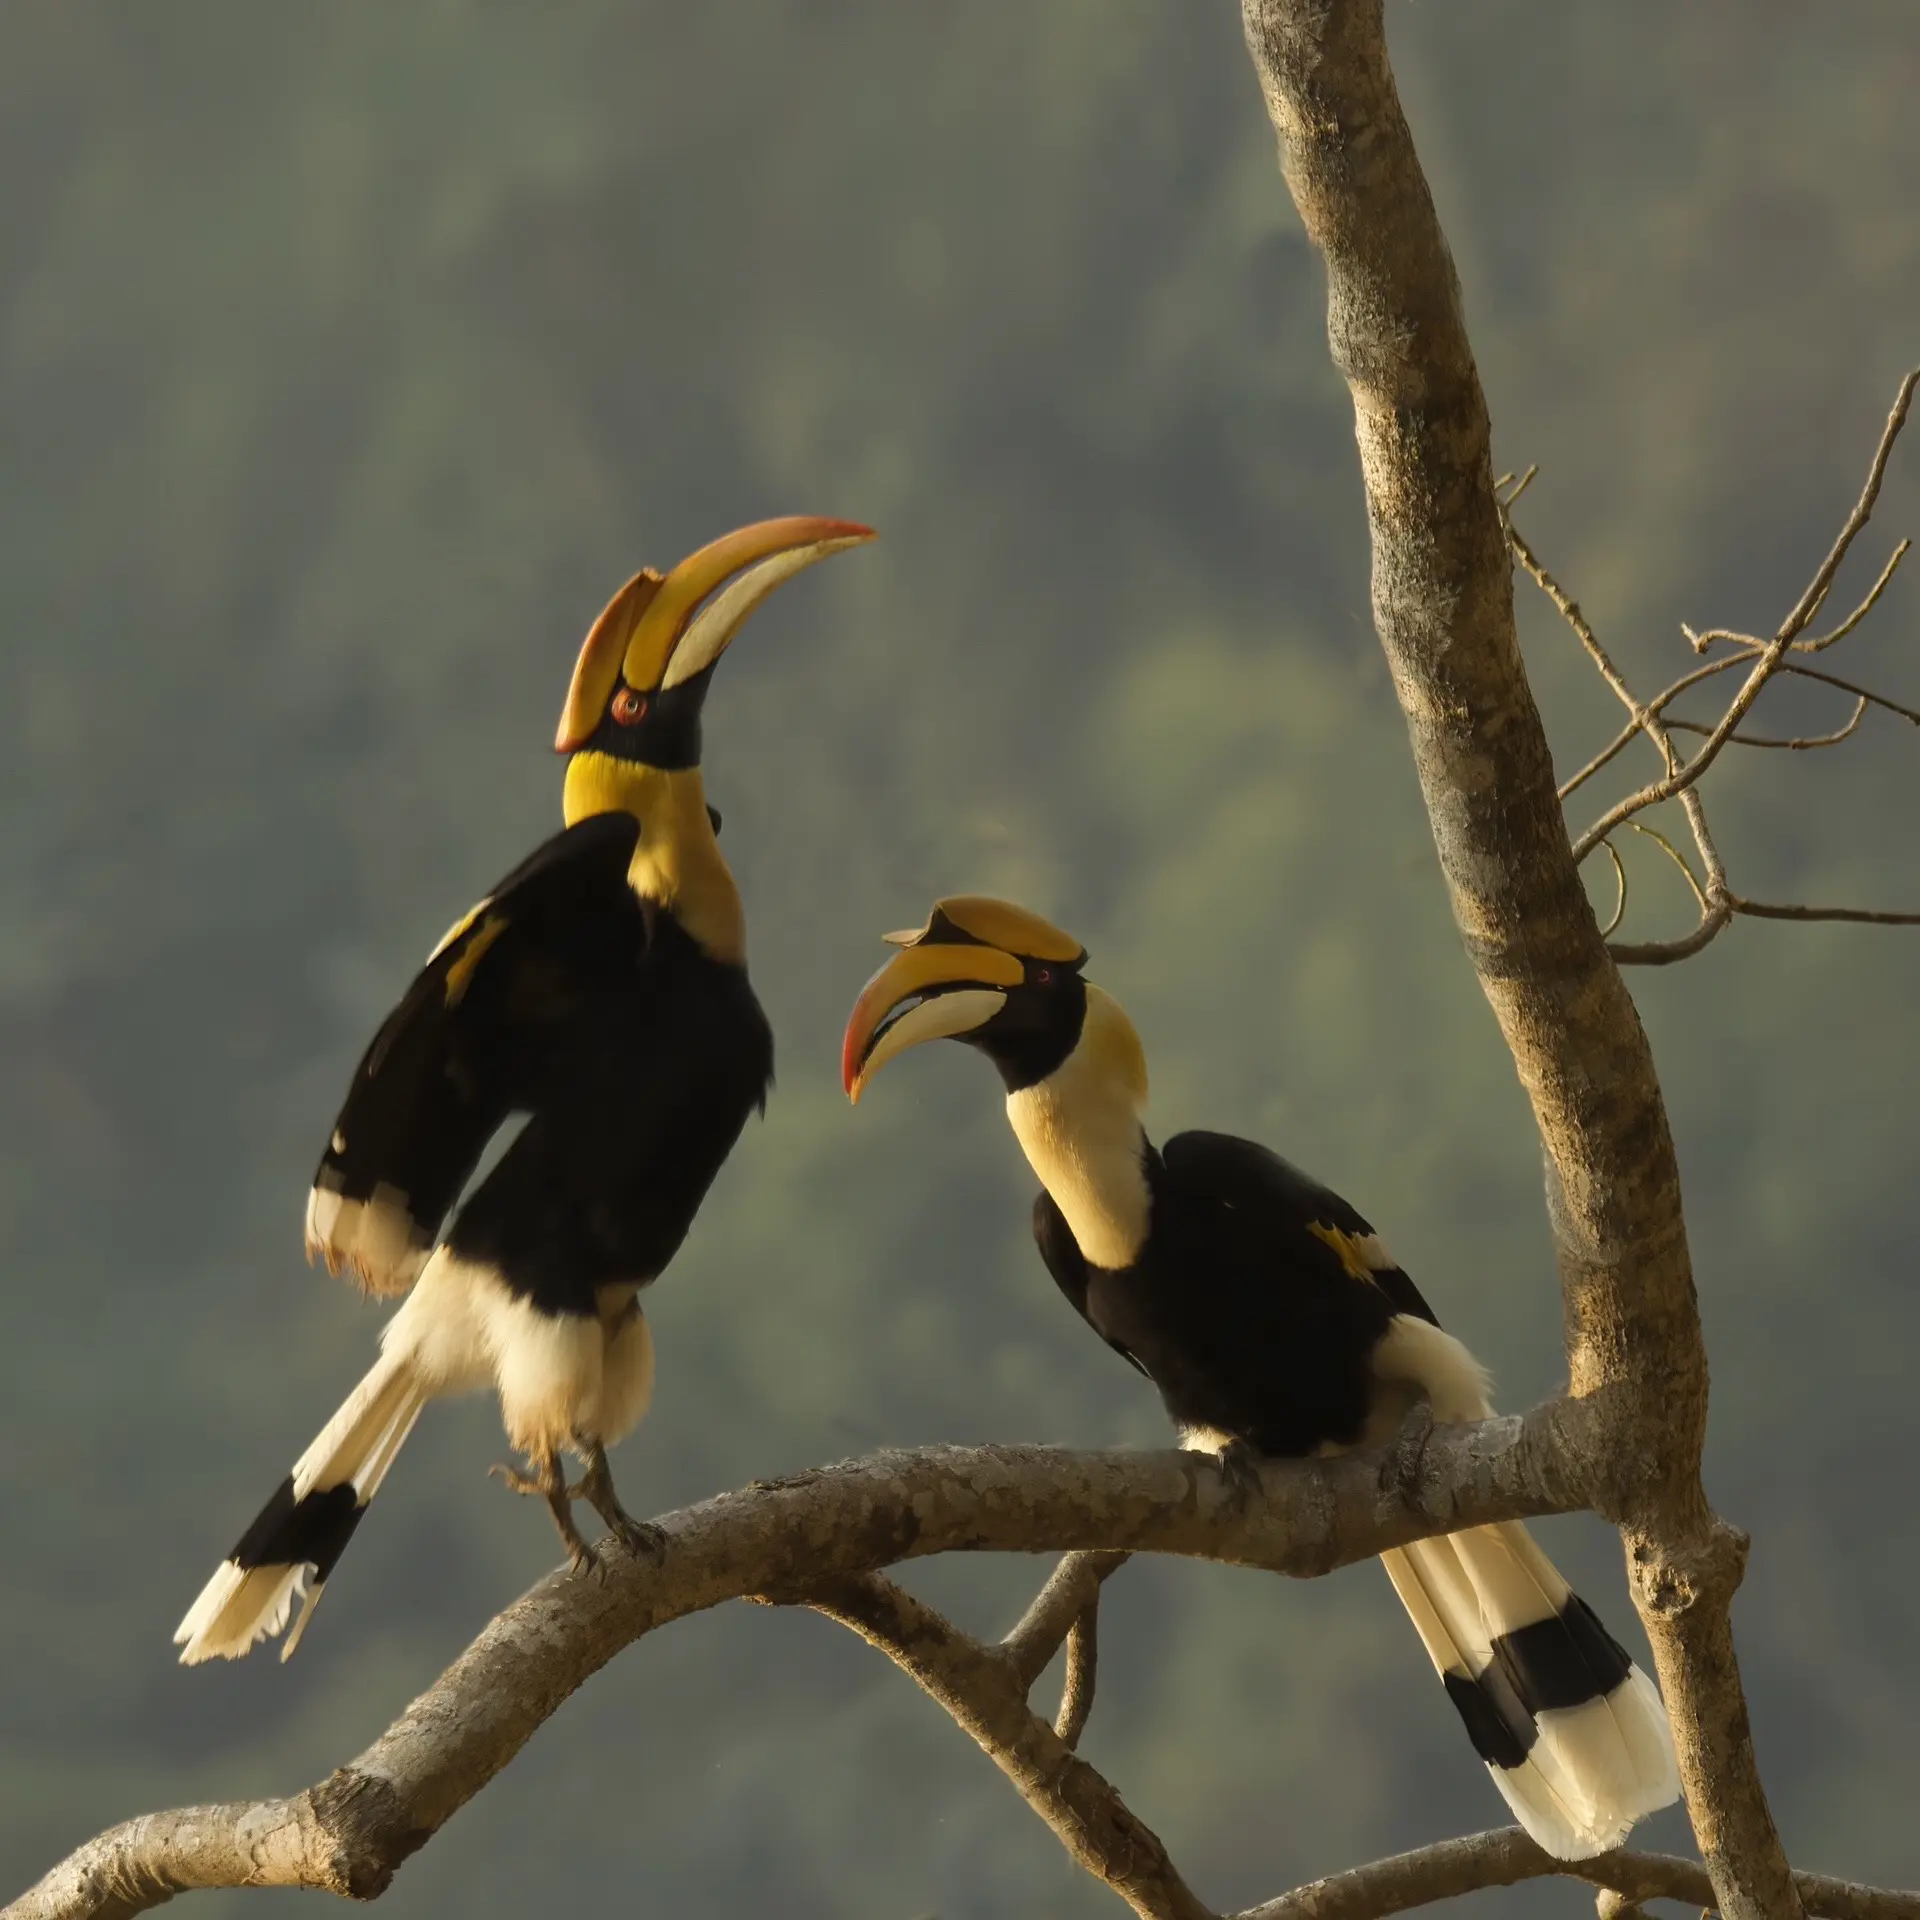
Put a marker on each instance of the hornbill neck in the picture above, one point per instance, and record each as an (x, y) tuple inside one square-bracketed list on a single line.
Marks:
[(1080, 1127), (677, 863)]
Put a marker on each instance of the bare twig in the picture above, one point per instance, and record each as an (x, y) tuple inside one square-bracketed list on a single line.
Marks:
[(1760, 910), (1083, 1673), (1847, 686), (1662, 953), (1719, 906), (1796, 744), (1072, 1587), (1764, 663), (1620, 888), (1866, 606), (1631, 731), (1715, 910), (1506, 1856), (1678, 858), (1810, 602), (1066, 1608), (980, 1687)]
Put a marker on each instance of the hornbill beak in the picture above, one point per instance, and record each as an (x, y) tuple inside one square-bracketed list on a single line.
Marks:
[(949, 977), (658, 633)]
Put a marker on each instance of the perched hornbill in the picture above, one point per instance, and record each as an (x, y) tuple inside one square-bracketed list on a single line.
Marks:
[(1274, 1323), (600, 990)]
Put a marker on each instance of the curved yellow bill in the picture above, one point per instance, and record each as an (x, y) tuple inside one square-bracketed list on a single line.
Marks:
[(954, 988), (999, 923), (659, 631)]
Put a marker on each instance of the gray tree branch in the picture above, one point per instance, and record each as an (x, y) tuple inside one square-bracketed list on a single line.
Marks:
[(1506, 1856), (350, 1833), (1443, 608), (1083, 1674), (981, 1688), (1072, 1587)]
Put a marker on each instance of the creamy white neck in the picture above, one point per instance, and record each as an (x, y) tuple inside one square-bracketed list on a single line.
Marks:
[(1080, 1129)]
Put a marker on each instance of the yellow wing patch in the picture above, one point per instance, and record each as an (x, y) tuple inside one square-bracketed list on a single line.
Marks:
[(1361, 1254), (459, 927), (460, 974)]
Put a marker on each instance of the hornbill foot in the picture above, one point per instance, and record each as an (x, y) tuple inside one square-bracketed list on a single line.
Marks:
[(551, 1485), (1240, 1469), (641, 1538), (515, 1481)]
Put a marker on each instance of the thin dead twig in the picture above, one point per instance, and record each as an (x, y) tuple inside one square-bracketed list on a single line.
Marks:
[(1678, 858), (1506, 1856), (1620, 885), (1847, 686), (1083, 1672), (1761, 910), (1072, 1587), (1682, 777), (980, 1687), (1794, 744), (1647, 720), (1821, 642), (1632, 730)]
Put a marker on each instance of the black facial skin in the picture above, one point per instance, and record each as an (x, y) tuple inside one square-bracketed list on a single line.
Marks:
[(667, 732), (1038, 1027)]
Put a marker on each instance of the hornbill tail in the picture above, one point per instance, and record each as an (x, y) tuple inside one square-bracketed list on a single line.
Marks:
[(305, 1527)]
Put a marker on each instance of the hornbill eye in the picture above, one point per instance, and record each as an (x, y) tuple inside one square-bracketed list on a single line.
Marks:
[(1043, 977), (629, 708)]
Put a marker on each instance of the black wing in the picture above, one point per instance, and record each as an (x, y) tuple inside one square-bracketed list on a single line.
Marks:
[(1068, 1265), (469, 1044), (1291, 1208)]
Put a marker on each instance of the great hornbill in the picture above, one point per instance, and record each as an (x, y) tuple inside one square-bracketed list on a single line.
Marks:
[(1274, 1323), (601, 991)]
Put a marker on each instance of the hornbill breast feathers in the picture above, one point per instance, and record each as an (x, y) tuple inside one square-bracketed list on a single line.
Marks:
[(600, 991), (1274, 1323)]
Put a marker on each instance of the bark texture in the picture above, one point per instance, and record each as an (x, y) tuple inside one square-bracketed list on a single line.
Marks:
[(1505, 1857), (809, 1535), (1443, 608)]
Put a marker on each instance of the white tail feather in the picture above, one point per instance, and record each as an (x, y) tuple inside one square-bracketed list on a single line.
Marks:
[(240, 1606), (1595, 1768)]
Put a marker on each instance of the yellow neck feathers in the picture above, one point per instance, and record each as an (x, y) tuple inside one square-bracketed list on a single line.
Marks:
[(678, 863), (1080, 1129)]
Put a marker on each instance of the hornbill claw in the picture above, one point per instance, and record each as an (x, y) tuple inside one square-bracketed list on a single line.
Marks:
[(641, 1538), (1239, 1466)]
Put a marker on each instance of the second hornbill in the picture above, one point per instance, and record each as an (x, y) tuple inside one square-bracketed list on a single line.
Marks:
[(1275, 1324), (601, 991)]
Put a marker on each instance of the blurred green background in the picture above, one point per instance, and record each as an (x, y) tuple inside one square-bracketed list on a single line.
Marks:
[(350, 356)]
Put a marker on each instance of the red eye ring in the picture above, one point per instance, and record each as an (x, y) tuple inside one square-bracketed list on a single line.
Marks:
[(629, 708), (1043, 976)]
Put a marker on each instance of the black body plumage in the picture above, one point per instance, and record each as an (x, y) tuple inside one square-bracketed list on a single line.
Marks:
[(635, 1055), (1245, 1317), (1256, 1306)]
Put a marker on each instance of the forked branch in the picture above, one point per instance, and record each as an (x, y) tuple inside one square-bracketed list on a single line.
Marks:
[(1763, 660), (808, 1537), (982, 1688)]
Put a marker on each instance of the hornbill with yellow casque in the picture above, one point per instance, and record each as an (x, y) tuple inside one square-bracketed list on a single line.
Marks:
[(601, 991), (1274, 1323)]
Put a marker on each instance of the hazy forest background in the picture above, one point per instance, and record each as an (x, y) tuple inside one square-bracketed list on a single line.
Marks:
[(349, 357)]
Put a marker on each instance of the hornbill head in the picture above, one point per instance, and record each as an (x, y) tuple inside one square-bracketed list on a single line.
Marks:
[(643, 673), (983, 971)]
